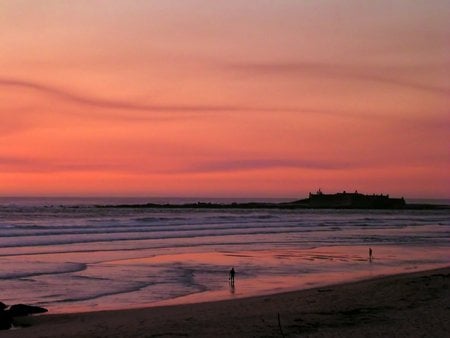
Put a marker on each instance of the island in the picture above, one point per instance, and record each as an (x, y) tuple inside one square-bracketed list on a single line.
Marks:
[(318, 200)]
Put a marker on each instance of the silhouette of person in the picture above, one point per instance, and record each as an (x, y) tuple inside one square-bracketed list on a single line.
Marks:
[(232, 273), (370, 255)]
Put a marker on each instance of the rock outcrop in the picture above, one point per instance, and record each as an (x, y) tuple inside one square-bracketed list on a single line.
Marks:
[(7, 315)]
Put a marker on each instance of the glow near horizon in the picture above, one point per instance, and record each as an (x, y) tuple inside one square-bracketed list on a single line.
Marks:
[(224, 98)]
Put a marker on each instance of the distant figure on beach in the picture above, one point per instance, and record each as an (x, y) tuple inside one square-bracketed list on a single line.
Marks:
[(232, 273), (370, 255)]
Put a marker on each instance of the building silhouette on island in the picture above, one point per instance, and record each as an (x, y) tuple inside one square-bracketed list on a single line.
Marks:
[(352, 200)]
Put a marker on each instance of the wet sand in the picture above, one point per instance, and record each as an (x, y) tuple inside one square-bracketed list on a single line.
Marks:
[(407, 305)]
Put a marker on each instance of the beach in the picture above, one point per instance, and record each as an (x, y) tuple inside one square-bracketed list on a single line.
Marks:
[(406, 305)]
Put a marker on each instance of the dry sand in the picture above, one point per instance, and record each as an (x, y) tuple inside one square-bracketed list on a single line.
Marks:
[(409, 305)]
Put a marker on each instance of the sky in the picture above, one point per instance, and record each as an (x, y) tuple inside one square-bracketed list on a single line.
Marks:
[(224, 98)]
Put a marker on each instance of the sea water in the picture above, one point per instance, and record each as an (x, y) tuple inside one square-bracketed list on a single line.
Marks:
[(70, 255)]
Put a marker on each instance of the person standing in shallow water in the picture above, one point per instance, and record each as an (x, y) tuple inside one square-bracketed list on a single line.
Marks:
[(370, 255), (232, 273)]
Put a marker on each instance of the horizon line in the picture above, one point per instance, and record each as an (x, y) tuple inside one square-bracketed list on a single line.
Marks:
[(33, 196)]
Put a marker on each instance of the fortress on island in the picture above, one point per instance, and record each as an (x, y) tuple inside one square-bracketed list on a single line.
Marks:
[(351, 200)]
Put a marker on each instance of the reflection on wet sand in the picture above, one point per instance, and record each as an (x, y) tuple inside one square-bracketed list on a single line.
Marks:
[(273, 271)]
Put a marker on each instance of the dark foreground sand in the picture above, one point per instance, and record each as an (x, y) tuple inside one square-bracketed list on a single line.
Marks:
[(410, 305)]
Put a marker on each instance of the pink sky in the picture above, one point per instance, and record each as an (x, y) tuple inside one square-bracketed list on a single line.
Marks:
[(224, 98)]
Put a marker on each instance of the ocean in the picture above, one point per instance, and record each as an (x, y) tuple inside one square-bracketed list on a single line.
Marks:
[(68, 255)]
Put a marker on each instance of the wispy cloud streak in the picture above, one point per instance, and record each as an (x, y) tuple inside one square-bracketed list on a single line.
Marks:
[(108, 104), (85, 100), (260, 164), (339, 72), (123, 108), (42, 165), (18, 164)]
